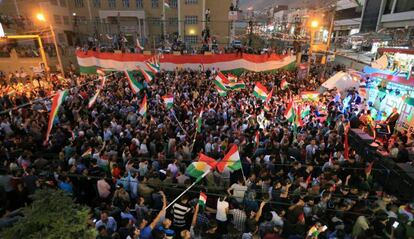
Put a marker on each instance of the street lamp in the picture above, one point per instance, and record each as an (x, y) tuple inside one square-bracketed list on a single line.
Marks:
[(313, 25), (42, 18)]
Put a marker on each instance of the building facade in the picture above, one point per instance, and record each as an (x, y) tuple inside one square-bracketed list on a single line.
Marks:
[(149, 21)]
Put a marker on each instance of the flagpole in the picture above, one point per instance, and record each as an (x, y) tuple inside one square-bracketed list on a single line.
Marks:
[(186, 190), (175, 117)]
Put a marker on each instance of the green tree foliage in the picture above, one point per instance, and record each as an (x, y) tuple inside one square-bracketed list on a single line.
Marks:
[(52, 215)]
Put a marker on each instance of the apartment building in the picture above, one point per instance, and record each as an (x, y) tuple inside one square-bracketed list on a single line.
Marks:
[(147, 20)]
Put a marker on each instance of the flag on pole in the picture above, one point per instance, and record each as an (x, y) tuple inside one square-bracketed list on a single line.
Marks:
[(221, 81), (143, 106), (202, 201), (169, 101), (298, 119), (284, 84), (260, 91), (197, 169), (147, 76), (237, 85), (87, 153), (153, 64), (269, 96), (310, 96), (220, 91), (133, 83), (266, 107), (210, 161), (305, 112), (290, 113), (57, 101), (93, 99), (199, 122), (257, 139), (231, 160), (231, 77), (100, 71)]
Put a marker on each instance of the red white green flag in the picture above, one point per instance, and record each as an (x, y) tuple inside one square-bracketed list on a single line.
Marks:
[(93, 99), (260, 91), (284, 84), (221, 81), (290, 113), (310, 96), (57, 101), (133, 83), (231, 77), (143, 106), (199, 121), (266, 107), (231, 160), (257, 139), (169, 101), (269, 96), (153, 64), (210, 161), (298, 120), (147, 77), (198, 169), (202, 199), (220, 91)]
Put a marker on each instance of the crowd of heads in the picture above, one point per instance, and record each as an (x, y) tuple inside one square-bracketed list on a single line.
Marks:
[(296, 182)]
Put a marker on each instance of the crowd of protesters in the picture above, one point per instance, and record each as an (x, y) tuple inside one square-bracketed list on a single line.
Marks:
[(294, 183)]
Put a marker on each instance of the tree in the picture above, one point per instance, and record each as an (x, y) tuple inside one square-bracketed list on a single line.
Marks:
[(53, 214)]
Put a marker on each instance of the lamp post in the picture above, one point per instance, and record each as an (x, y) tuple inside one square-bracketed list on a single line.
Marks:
[(313, 25), (42, 18)]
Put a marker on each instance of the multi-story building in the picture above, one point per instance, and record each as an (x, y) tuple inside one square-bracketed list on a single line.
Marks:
[(147, 20)]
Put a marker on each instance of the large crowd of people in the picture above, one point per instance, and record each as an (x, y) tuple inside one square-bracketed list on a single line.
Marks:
[(295, 182)]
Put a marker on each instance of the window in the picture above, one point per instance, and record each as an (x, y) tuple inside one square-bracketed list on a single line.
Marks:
[(61, 38), (112, 3), (191, 1), (388, 6), (154, 3), (140, 3), (404, 6), (191, 39), (173, 3), (57, 18), (82, 20), (97, 20), (155, 21), (53, 2), (190, 20), (125, 3), (66, 20), (62, 3), (96, 3), (173, 21), (78, 3)]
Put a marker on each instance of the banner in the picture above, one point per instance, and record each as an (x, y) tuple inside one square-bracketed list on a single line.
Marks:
[(89, 61)]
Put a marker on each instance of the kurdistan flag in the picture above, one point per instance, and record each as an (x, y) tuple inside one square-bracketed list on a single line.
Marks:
[(220, 91), (143, 106), (231, 77), (260, 91), (147, 76), (169, 101), (231, 160), (93, 99), (133, 83), (210, 161), (57, 101), (284, 84), (199, 122), (237, 85), (290, 113), (197, 169), (221, 81), (309, 96), (202, 200)]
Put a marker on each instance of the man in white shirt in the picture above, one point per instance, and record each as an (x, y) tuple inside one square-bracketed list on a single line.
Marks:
[(237, 190)]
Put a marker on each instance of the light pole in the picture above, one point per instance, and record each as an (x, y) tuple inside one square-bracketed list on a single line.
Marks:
[(313, 25), (42, 18)]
